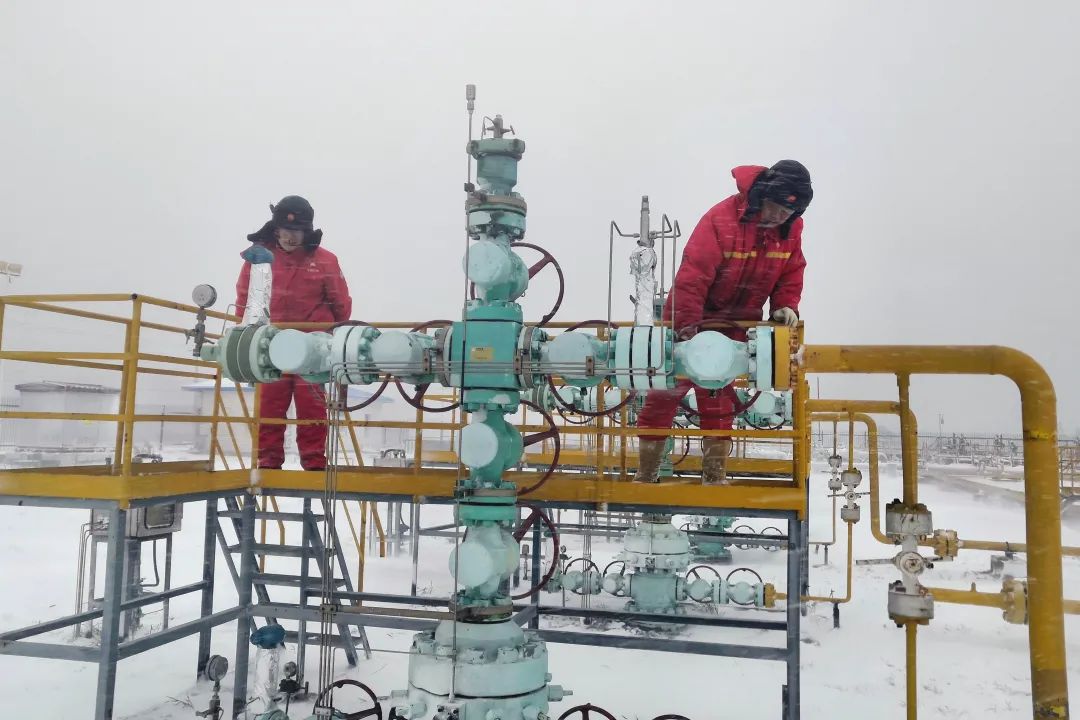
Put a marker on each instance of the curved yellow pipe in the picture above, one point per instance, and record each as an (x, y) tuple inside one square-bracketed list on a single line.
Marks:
[(1046, 631), (872, 446), (827, 410)]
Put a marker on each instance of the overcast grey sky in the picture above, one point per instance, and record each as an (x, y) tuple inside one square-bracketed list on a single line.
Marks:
[(143, 141)]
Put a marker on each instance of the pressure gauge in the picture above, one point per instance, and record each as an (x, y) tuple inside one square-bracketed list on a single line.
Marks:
[(204, 295), (217, 665)]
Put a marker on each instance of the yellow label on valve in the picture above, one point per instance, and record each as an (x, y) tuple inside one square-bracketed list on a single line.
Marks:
[(781, 357), (482, 353)]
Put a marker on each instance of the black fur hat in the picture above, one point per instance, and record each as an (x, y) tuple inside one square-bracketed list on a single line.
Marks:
[(291, 213), (786, 183)]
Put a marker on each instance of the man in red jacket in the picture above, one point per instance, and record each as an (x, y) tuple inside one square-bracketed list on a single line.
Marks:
[(744, 252), (307, 287)]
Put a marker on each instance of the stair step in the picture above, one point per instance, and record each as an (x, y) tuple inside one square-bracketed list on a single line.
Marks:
[(269, 515), (269, 549), (290, 580)]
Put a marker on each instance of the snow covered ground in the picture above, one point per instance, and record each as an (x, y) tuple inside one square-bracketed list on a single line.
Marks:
[(971, 663)]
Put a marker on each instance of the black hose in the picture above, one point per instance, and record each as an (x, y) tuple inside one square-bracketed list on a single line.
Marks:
[(157, 577)]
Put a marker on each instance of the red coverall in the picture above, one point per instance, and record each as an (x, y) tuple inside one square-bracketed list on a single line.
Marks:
[(729, 270), (308, 287)]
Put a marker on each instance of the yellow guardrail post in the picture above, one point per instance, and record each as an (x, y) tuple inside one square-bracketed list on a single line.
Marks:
[(130, 377)]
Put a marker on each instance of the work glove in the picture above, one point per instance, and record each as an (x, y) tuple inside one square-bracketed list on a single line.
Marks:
[(786, 316)]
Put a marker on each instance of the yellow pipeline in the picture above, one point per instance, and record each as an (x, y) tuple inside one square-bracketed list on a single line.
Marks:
[(1046, 631), (987, 599), (909, 441), (911, 630), (827, 410), (831, 599), (832, 409)]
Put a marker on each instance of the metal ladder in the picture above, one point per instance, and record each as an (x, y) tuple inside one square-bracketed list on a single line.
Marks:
[(310, 548)]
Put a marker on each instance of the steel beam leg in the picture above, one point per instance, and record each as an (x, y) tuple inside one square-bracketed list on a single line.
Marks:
[(110, 618), (207, 607), (243, 622), (91, 590), (537, 573), (414, 537), (804, 563), (795, 564), (167, 580), (305, 573), (132, 585)]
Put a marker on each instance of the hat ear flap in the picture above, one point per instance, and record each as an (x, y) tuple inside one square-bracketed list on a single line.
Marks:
[(756, 194), (312, 238), (264, 234)]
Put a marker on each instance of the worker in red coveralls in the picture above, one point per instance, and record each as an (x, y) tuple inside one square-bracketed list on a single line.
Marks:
[(744, 252), (307, 287)]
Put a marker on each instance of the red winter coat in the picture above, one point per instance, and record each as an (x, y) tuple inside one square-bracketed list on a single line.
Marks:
[(730, 268), (308, 287)]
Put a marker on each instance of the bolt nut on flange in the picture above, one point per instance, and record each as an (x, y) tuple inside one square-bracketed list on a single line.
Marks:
[(903, 520), (945, 544), (1014, 593)]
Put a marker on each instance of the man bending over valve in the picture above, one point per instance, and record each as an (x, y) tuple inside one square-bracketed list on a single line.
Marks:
[(745, 251)]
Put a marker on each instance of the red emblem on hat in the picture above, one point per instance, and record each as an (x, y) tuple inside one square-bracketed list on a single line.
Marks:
[(792, 198), (290, 217)]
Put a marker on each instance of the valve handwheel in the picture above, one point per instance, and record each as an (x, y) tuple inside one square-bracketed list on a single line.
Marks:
[(543, 262), (694, 573), (747, 570), (536, 514), (570, 421), (587, 562), (671, 716), (739, 528), (587, 711), (775, 531), (374, 396), (622, 571), (375, 711), (417, 400), (551, 433), (589, 413)]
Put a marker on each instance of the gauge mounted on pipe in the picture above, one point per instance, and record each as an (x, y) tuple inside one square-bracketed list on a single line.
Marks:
[(204, 295)]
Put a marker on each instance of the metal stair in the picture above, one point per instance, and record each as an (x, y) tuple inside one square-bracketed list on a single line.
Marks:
[(310, 549)]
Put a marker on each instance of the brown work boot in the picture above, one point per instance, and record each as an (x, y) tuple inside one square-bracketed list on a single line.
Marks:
[(714, 455), (650, 454)]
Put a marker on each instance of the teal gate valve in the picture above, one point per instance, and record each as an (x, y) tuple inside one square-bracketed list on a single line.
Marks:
[(243, 354)]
